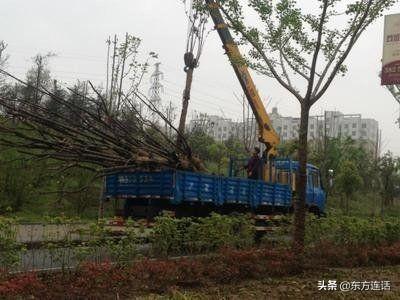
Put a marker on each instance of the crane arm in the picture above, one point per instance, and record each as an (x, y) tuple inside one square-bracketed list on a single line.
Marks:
[(266, 133)]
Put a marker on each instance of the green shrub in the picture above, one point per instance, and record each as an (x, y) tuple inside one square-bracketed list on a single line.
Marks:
[(124, 250), (10, 249), (199, 235), (345, 230)]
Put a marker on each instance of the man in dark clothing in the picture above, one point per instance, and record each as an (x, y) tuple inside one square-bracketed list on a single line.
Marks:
[(253, 165)]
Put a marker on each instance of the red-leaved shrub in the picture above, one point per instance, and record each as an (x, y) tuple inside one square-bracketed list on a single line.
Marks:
[(106, 280), (21, 285)]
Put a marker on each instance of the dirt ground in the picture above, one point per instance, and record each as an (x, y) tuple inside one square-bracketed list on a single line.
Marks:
[(304, 286)]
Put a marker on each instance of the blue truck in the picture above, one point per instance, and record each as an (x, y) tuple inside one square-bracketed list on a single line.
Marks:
[(148, 193)]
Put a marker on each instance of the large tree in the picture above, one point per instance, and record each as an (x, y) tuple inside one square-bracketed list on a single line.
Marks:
[(303, 45), (389, 169)]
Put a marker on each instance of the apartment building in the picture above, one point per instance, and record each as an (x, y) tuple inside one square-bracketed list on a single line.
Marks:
[(330, 124)]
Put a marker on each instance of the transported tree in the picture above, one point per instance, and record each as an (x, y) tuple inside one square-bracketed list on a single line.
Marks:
[(197, 20)]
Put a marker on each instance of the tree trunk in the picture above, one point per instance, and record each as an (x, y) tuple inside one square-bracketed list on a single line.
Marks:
[(185, 104), (301, 183)]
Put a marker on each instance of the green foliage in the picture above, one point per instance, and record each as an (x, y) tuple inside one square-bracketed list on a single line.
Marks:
[(18, 179), (214, 154), (10, 249), (370, 185), (345, 230), (124, 250), (199, 235), (235, 148), (169, 235), (218, 154), (348, 180), (217, 231), (333, 152), (77, 191), (29, 189), (288, 149), (286, 31), (389, 171), (199, 141)]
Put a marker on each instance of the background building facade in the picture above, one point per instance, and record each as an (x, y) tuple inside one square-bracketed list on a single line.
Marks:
[(332, 124)]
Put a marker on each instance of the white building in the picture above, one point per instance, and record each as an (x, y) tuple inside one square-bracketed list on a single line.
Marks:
[(219, 128), (330, 124)]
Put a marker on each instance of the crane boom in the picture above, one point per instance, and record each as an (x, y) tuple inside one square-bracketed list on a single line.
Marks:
[(266, 133)]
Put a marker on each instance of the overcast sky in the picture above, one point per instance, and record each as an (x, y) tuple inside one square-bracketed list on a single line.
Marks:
[(77, 31)]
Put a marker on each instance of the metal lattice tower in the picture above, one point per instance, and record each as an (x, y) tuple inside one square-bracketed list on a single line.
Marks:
[(395, 91), (156, 88)]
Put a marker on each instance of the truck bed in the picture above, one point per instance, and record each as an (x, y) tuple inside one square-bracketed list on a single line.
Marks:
[(180, 187)]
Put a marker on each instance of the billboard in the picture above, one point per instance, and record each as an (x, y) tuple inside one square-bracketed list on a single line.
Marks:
[(391, 51)]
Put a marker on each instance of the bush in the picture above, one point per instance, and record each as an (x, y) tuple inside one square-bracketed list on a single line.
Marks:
[(21, 285), (344, 230), (201, 235), (328, 254), (123, 251), (10, 249)]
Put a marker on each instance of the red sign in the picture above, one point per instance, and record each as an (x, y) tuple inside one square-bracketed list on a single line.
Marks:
[(391, 51)]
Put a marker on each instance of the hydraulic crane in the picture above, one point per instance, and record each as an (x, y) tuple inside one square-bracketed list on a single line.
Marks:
[(266, 133)]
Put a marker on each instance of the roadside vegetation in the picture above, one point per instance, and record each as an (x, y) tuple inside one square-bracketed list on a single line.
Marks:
[(188, 254)]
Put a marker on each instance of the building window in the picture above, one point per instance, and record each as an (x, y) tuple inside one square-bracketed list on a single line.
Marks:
[(354, 125), (224, 128), (285, 127), (364, 125), (312, 126), (285, 134), (353, 133)]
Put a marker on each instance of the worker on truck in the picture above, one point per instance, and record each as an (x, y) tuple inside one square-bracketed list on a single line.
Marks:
[(253, 165)]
